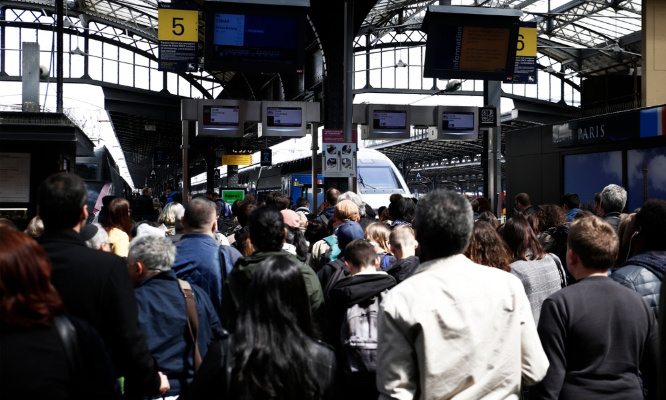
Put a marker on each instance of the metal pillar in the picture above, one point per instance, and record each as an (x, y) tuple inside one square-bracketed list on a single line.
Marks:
[(348, 64), (315, 148), (60, 79), (185, 147), (492, 95)]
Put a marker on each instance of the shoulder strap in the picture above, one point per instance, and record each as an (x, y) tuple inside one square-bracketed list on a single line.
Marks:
[(192, 319), (560, 269), (67, 334)]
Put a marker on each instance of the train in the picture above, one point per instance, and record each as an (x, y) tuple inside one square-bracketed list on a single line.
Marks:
[(377, 177)]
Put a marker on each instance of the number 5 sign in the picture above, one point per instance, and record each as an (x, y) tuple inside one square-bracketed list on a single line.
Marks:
[(177, 25)]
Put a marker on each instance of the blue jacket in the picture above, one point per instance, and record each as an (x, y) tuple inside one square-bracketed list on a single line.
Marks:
[(163, 319), (198, 262)]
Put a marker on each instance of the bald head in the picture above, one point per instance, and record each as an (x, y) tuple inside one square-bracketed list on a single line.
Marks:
[(200, 216)]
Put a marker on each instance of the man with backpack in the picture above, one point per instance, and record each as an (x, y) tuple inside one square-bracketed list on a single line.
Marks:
[(352, 329), (200, 259)]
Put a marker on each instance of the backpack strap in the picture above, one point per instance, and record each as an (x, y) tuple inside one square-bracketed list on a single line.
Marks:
[(224, 260), (192, 319), (560, 269), (67, 333)]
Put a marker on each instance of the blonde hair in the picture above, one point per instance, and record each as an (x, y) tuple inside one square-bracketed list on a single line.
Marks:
[(402, 237), (378, 233)]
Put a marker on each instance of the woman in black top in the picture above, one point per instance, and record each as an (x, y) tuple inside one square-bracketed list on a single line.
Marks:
[(33, 361), (273, 354)]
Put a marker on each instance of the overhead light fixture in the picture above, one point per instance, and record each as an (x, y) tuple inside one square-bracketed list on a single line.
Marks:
[(453, 85), (77, 51)]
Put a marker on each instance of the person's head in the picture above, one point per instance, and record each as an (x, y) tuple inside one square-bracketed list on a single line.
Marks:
[(156, 203), (488, 216), (149, 255), (331, 197), (295, 236), (95, 237), (523, 201), (597, 204), (403, 242), (359, 255), (302, 202), (548, 216), (522, 240), (6, 223), (169, 190), (378, 234), (570, 201), (35, 227), (61, 202), (267, 231), (613, 198), (200, 216), (592, 246), (147, 192), (272, 332), (650, 226), (583, 214), (27, 297), (316, 230), (443, 224), (171, 213), (484, 205), (486, 247), (243, 212), (119, 216), (346, 210), (278, 200), (356, 199), (347, 232), (404, 210)]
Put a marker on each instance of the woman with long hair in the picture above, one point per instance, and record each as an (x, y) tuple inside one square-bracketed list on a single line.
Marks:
[(118, 225), (486, 247), (34, 333), (542, 273), (378, 235), (273, 354), (170, 217)]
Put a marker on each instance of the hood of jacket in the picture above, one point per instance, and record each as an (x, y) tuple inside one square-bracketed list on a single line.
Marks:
[(357, 288)]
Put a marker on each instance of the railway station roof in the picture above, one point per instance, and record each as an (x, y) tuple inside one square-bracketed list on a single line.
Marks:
[(576, 39)]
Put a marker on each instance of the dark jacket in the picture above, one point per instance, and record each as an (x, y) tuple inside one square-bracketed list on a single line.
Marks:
[(330, 274), (198, 262), (163, 318), (328, 214), (31, 354), (403, 269), (236, 285), (96, 287), (644, 273)]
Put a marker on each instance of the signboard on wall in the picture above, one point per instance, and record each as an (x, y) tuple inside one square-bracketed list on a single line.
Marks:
[(608, 128), (339, 160), (236, 159), (525, 70), (178, 34)]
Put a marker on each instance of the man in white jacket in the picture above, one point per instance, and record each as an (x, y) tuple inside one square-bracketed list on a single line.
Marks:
[(455, 329)]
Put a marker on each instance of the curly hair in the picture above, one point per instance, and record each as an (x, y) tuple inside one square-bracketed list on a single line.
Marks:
[(550, 215), (486, 247)]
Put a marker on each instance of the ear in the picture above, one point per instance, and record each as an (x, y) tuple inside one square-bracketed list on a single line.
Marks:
[(377, 262), (84, 213), (572, 257)]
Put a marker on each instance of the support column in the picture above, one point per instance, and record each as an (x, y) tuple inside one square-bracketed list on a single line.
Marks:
[(60, 70), (653, 83), (315, 148), (185, 147), (492, 95)]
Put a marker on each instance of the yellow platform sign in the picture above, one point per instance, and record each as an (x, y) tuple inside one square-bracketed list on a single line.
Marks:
[(177, 25), (237, 159)]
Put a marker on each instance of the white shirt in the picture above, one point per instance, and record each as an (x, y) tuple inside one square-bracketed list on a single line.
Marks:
[(457, 330)]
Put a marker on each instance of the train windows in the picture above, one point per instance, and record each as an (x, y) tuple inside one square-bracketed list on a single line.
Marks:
[(377, 178)]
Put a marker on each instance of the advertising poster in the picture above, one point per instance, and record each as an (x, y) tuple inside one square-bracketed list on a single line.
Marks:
[(339, 160)]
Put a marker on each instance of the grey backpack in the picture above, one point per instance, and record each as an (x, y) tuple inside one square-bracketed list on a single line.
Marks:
[(358, 336)]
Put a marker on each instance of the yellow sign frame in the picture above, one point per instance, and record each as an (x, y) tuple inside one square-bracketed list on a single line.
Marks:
[(175, 25)]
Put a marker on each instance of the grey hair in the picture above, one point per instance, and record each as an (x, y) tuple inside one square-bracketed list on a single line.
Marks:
[(99, 239), (171, 213), (614, 198), (157, 253), (443, 223), (356, 199)]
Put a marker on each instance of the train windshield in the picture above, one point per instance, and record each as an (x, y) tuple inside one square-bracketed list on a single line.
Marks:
[(377, 178)]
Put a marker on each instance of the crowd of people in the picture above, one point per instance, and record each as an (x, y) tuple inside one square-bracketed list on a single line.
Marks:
[(427, 299)]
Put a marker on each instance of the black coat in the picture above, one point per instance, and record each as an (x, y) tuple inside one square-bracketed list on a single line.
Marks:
[(97, 288)]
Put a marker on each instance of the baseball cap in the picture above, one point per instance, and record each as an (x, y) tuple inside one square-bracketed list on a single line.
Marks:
[(348, 231)]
